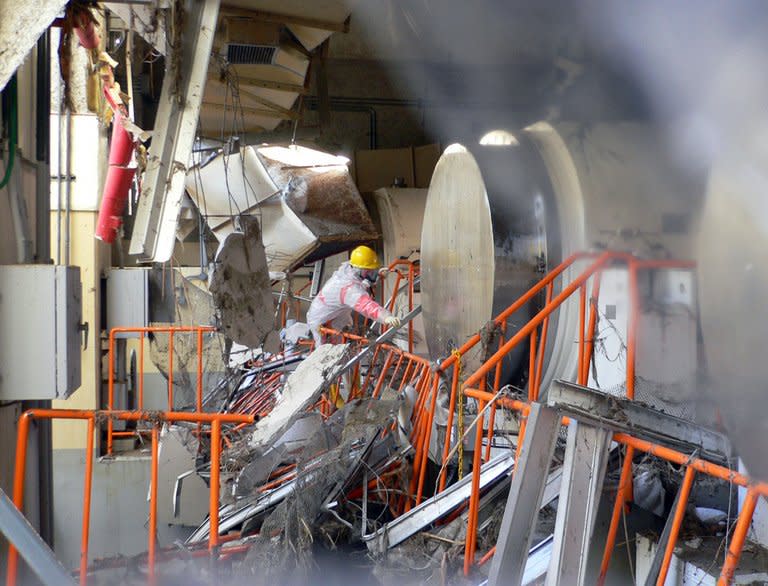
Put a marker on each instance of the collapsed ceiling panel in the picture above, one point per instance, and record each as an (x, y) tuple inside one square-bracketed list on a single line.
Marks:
[(305, 199), (310, 22), (227, 185)]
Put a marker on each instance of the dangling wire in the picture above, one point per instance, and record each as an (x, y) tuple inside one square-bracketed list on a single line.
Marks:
[(296, 123)]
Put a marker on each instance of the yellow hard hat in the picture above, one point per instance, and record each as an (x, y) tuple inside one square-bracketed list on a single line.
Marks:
[(364, 257)]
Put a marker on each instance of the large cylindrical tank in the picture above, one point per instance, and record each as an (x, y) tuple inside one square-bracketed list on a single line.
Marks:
[(498, 216)]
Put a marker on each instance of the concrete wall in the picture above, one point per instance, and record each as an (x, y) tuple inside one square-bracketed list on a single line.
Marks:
[(119, 507)]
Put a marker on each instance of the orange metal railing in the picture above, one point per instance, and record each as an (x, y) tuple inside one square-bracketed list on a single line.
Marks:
[(142, 332), (95, 419), (475, 387), (692, 465)]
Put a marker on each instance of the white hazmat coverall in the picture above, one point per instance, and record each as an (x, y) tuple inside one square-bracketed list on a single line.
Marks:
[(344, 292)]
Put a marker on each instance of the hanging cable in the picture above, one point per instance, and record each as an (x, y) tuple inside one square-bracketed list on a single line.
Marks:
[(12, 124)]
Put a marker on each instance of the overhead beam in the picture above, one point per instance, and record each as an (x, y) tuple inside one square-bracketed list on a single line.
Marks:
[(31, 546), (157, 214), (339, 27), (265, 83), (584, 464), (255, 111), (525, 495), (289, 114), (627, 416)]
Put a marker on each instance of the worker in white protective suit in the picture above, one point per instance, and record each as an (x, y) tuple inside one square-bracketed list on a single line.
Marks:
[(348, 290)]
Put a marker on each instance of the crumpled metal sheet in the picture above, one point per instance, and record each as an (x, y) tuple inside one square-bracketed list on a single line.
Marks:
[(319, 189)]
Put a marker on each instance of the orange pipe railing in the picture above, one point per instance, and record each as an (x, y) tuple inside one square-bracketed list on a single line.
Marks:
[(142, 331), (692, 463), (93, 418)]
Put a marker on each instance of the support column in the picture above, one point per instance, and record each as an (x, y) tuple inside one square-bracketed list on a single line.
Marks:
[(586, 456), (525, 494), (154, 230)]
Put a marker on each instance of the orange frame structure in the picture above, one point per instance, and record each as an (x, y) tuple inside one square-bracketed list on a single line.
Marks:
[(171, 331), (95, 419), (475, 387)]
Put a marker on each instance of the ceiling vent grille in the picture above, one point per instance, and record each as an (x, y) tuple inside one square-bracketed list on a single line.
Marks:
[(250, 54)]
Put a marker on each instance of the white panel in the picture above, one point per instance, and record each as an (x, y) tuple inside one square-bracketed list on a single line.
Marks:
[(40, 309), (86, 187), (229, 185), (127, 298)]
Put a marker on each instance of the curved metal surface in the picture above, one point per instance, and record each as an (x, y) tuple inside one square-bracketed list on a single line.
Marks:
[(484, 242), (543, 196), (457, 254)]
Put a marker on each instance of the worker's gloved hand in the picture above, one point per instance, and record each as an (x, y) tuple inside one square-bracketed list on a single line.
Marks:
[(383, 272), (392, 321)]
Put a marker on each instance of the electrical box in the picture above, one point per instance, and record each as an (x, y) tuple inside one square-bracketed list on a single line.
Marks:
[(40, 317), (127, 298)]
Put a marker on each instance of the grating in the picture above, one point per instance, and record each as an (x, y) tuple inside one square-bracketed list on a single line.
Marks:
[(250, 54)]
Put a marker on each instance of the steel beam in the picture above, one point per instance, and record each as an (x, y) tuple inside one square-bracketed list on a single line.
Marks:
[(627, 416), (30, 545), (281, 86), (586, 457), (154, 230), (260, 15), (525, 495)]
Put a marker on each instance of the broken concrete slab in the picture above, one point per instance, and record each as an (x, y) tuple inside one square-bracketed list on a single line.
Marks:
[(302, 388), (241, 289)]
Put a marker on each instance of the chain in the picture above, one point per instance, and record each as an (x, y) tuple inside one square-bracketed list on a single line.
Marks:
[(460, 422)]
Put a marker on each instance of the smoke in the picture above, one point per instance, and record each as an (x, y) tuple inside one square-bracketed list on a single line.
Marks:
[(695, 70), (703, 65)]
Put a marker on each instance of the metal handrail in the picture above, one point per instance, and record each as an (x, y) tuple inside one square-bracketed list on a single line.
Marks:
[(142, 331), (96, 418)]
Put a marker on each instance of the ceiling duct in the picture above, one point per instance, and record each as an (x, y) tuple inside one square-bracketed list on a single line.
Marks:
[(250, 42), (239, 54)]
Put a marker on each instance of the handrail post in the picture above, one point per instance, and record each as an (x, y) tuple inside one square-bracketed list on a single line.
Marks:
[(618, 510), (213, 503), (19, 473), (449, 422), (474, 499), (739, 537), (87, 493), (170, 369), (152, 537), (677, 521), (111, 389)]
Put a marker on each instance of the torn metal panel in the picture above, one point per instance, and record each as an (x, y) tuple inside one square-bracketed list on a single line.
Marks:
[(319, 189), (229, 184), (188, 496), (174, 134), (241, 289), (628, 416), (302, 389), (318, 212), (440, 505)]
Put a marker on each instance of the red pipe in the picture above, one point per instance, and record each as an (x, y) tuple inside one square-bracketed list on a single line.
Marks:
[(113, 202), (121, 147)]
